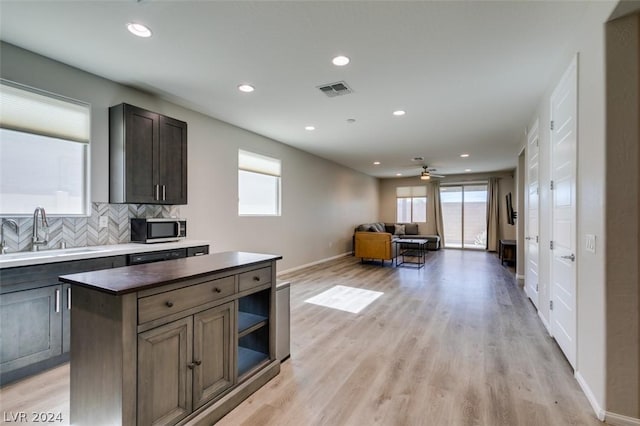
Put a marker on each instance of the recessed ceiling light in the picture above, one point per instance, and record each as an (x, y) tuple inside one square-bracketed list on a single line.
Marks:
[(464, 155), (139, 30), (340, 61), (398, 174), (247, 88), (399, 112), (376, 163), (467, 170), (309, 128)]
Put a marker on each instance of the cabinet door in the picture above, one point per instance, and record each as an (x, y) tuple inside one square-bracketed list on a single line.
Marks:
[(30, 327), (164, 373), (172, 157), (213, 352), (142, 136)]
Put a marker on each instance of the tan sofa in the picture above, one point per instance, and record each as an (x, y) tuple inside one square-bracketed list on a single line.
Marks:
[(374, 245)]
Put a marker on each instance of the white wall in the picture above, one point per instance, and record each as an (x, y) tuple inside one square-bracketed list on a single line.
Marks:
[(589, 43), (321, 201)]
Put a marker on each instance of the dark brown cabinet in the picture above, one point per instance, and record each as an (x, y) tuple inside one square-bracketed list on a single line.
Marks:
[(30, 327), (172, 351), (147, 157), (184, 364)]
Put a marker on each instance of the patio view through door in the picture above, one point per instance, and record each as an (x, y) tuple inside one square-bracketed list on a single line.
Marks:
[(464, 215)]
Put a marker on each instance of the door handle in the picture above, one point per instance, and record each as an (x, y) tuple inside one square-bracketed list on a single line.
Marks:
[(527, 238), (571, 258)]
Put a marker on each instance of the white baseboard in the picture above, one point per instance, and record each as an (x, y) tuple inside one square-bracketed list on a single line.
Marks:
[(600, 413), (317, 262), (620, 420), (544, 322)]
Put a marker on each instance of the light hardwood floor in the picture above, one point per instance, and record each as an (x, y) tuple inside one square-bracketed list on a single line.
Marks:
[(454, 343)]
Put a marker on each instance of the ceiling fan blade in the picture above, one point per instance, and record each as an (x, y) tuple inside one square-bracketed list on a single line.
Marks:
[(436, 176)]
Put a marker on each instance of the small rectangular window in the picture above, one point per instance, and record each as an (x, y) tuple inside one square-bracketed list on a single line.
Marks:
[(258, 185), (411, 204), (44, 152)]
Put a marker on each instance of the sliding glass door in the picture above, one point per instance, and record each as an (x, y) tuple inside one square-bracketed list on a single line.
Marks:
[(464, 213)]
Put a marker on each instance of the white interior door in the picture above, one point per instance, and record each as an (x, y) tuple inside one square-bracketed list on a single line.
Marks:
[(531, 248), (564, 108)]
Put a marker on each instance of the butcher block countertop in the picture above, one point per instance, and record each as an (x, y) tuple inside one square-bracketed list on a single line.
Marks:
[(129, 279)]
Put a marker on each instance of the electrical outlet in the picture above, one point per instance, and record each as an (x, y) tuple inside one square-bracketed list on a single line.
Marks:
[(104, 221), (590, 243)]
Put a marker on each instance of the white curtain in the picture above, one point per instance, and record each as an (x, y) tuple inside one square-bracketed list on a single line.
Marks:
[(437, 210), (493, 215)]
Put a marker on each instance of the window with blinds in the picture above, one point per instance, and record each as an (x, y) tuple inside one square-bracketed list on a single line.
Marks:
[(411, 204), (258, 184), (44, 152)]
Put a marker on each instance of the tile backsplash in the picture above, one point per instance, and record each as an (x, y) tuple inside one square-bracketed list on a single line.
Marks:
[(86, 231)]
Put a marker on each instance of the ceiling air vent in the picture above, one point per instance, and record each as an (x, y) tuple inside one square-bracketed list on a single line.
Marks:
[(335, 89)]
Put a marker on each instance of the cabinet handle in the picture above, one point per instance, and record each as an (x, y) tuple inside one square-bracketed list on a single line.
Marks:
[(164, 192), (157, 197), (197, 362), (256, 278), (169, 304), (57, 301), (191, 365), (217, 290), (68, 298), (200, 253)]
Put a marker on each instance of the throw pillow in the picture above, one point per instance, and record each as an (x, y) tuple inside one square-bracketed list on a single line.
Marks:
[(411, 228), (399, 230)]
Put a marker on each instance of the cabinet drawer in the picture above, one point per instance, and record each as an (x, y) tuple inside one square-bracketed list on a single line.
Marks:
[(255, 278), (163, 304)]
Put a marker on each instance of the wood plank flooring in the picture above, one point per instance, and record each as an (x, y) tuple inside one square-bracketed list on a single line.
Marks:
[(454, 343)]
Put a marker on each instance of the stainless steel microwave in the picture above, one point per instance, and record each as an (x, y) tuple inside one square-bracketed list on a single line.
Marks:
[(157, 230)]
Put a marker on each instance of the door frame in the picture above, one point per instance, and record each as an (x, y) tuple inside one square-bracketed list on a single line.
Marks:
[(532, 135)]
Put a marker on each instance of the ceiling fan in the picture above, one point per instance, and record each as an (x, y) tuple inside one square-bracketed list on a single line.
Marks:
[(427, 174)]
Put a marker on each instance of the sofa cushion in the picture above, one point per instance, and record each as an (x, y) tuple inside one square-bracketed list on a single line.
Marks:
[(399, 229), (390, 227), (411, 228), (378, 226)]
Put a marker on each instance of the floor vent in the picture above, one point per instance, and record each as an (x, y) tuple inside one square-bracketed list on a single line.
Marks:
[(335, 89)]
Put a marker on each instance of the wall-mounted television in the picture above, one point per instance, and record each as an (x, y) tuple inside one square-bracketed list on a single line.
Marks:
[(511, 215)]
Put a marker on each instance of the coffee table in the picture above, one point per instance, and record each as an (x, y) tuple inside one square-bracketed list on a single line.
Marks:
[(413, 249)]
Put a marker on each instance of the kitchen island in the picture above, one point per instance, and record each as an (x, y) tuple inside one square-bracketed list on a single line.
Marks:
[(177, 342)]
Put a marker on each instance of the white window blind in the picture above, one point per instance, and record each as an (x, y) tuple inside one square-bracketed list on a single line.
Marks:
[(258, 184), (44, 152), (256, 163), (411, 191), (33, 111), (411, 203)]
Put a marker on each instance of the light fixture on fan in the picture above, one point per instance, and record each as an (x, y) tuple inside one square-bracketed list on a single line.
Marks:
[(427, 174)]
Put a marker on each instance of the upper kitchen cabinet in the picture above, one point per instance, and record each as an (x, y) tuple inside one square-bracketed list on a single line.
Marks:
[(148, 157)]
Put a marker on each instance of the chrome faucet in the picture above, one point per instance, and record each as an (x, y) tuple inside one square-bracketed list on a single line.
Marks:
[(35, 239), (3, 244)]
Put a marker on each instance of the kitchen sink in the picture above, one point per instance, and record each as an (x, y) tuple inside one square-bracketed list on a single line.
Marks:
[(49, 253)]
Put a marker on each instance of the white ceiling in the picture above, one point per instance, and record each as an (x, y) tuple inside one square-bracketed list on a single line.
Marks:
[(469, 74)]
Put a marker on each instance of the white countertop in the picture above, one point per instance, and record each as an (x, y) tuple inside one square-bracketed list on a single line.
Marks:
[(11, 260)]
